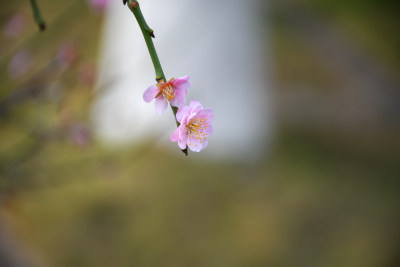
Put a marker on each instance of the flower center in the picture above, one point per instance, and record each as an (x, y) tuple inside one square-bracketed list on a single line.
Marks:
[(167, 89), (196, 127)]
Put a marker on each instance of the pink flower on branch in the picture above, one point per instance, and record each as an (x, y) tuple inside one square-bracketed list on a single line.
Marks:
[(174, 91), (195, 126)]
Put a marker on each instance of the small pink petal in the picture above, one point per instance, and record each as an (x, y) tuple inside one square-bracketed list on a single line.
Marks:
[(194, 104), (175, 135), (209, 130), (150, 93), (182, 111), (206, 113), (184, 122), (194, 144), (182, 135), (181, 80), (182, 83), (161, 105), (179, 99), (182, 142), (194, 112)]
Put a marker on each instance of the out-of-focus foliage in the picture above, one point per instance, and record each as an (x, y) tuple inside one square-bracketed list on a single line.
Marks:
[(372, 23), (325, 195)]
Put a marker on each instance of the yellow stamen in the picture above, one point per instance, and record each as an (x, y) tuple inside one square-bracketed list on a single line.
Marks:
[(195, 128), (166, 89)]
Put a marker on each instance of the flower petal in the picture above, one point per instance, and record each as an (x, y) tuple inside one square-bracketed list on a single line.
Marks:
[(180, 98), (150, 93), (194, 104), (175, 135), (209, 130), (194, 112), (194, 144), (206, 113), (182, 127), (182, 83), (161, 105), (182, 112), (182, 142)]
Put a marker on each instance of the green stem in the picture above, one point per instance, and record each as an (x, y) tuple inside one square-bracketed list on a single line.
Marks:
[(38, 16), (148, 34)]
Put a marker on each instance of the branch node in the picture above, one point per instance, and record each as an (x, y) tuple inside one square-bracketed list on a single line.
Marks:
[(133, 4), (42, 26), (38, 17), (148, 33)]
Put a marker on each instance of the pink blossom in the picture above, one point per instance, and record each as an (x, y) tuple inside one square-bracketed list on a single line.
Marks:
[(67, 54), (87, 74), (195, 126), (20, 64), (15, 25), (80, 134), (174, 91), (98, 6)]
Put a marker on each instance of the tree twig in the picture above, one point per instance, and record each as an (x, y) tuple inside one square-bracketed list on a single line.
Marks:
[(148, 34), (38, 17)]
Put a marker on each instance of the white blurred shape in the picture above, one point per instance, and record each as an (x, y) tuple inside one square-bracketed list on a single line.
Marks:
[(218, 43)]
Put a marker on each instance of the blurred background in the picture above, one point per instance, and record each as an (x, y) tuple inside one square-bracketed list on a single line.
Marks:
[(322, 190)]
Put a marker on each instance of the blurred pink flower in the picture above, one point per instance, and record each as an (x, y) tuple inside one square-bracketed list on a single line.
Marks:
[(67, 54), (173, 91), (15, 25), (80, 134), (98, 6), (195, 126), (20, 64), (87, 74)]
